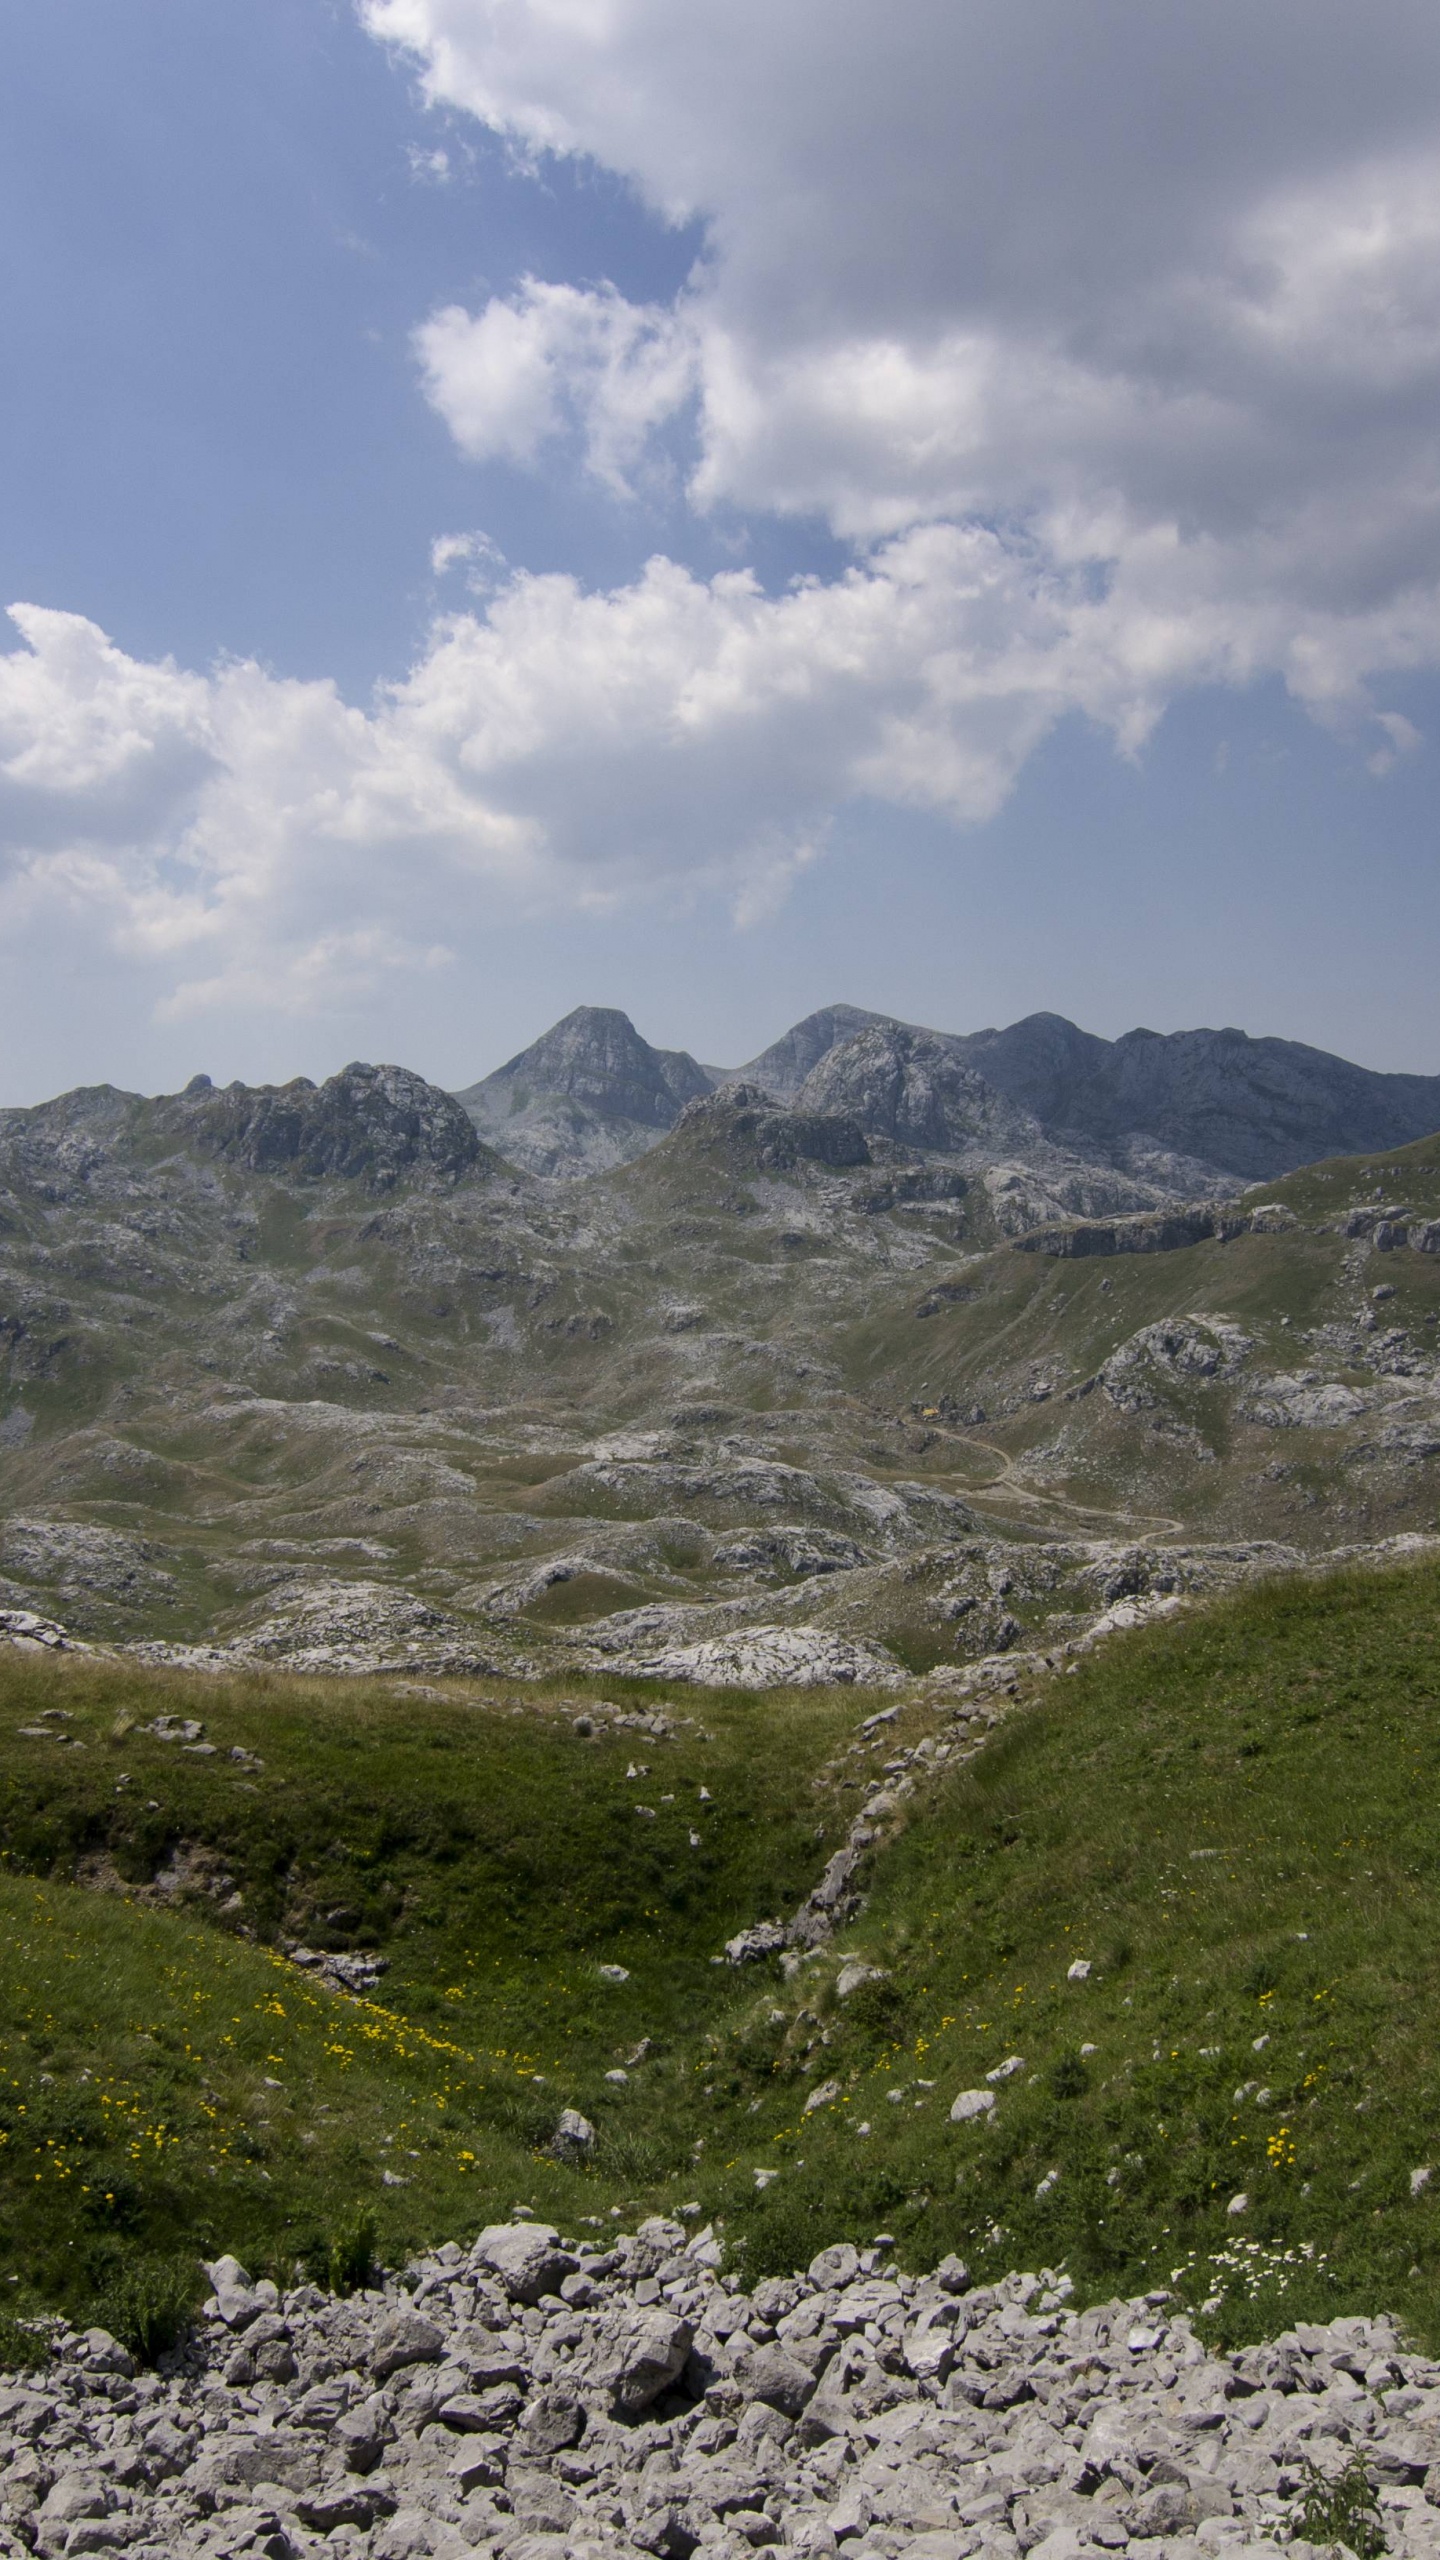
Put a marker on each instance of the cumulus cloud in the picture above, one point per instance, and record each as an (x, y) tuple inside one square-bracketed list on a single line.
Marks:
[(1156, 293), (557, 356), (672, 735), (1107, 341)]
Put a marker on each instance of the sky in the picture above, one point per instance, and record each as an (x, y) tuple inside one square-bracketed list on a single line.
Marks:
[(713, 507)]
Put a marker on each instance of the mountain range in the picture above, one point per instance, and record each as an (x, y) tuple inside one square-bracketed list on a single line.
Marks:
[(1164, 1113), (892, 1349)]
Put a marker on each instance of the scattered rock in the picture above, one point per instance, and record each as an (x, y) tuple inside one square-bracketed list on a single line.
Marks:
[(574, 2135), (404, 2338), (527, 2257), (906, 2417), (637, 2355), (853, 1976), (972, 2103)]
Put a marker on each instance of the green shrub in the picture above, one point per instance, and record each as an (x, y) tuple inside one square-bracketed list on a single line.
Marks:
[(876, 2010), (1068, 2076), (22, 2348), (149, 2304), (344, 2260), (1343, 2510)]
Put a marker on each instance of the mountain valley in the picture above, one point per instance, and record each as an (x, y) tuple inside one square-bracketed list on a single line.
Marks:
[(849, 1385), (732, 1555)]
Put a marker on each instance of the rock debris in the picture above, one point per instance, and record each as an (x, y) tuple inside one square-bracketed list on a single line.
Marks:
[(551, 2400)]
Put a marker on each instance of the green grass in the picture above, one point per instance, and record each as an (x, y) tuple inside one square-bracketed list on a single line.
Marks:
[(492, 1853), (1231, 1817)]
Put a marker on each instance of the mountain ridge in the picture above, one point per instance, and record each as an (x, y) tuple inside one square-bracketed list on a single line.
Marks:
[(1175, 1112)]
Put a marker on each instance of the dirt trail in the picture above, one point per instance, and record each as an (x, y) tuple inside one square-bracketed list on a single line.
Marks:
[(1006, 1486)]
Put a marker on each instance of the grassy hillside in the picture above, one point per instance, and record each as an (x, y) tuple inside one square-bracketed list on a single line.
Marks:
[(175, 2080), (1231, 1818)]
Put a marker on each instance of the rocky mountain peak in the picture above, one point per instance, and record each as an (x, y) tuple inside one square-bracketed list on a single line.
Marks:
[(597, 1058), (743, 1123), (913, 1087), (367, 1124), (1248, 1107), (783, 1067), (589, 1093)]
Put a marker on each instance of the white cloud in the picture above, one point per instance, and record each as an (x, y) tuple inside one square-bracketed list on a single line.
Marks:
[(1155, 294), (553, 356), (673, 736), (1108, 341), (482, 559)]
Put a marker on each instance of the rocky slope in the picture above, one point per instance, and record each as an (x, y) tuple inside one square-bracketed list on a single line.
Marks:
[(783, 1067), (588, 1094), (314, 1373), (531, 2395), (1251, 1108), (916, 1089)]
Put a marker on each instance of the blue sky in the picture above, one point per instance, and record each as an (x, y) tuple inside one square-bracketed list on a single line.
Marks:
[(906, 536)]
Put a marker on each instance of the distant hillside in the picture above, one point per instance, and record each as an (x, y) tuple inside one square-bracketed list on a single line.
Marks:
[(309, 1375), (1255, 1108)]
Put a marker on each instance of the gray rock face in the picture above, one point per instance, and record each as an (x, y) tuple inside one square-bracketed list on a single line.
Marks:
[(1304, 1401), (589, 1093), (1219, 1098), (1180, 1350), (920, 1089), (855, 2408), (1250, 1107), (783, 1067), (741, 1123), (1164, 1231), (914, 1087), (764, 1657), (376, 1125)]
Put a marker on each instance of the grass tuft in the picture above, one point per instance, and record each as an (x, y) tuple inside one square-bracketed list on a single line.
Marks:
[(149, 2303)]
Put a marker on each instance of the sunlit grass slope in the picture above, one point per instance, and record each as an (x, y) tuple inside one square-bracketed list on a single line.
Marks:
[(188, 2086), (1232, 1819)]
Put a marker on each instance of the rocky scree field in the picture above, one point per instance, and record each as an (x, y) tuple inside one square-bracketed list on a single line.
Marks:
[(534, 2394)]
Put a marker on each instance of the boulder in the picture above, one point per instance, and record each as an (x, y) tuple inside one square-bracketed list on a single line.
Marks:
[(553, 2422), (835, 2266), (526, 2256), (637, 2355), (344, 2502), (767, 2373), (574, 2135), (972, 2103), (404, 2338)]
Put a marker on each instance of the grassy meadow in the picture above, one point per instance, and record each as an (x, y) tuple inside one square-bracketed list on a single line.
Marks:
[(1232, 1818)]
